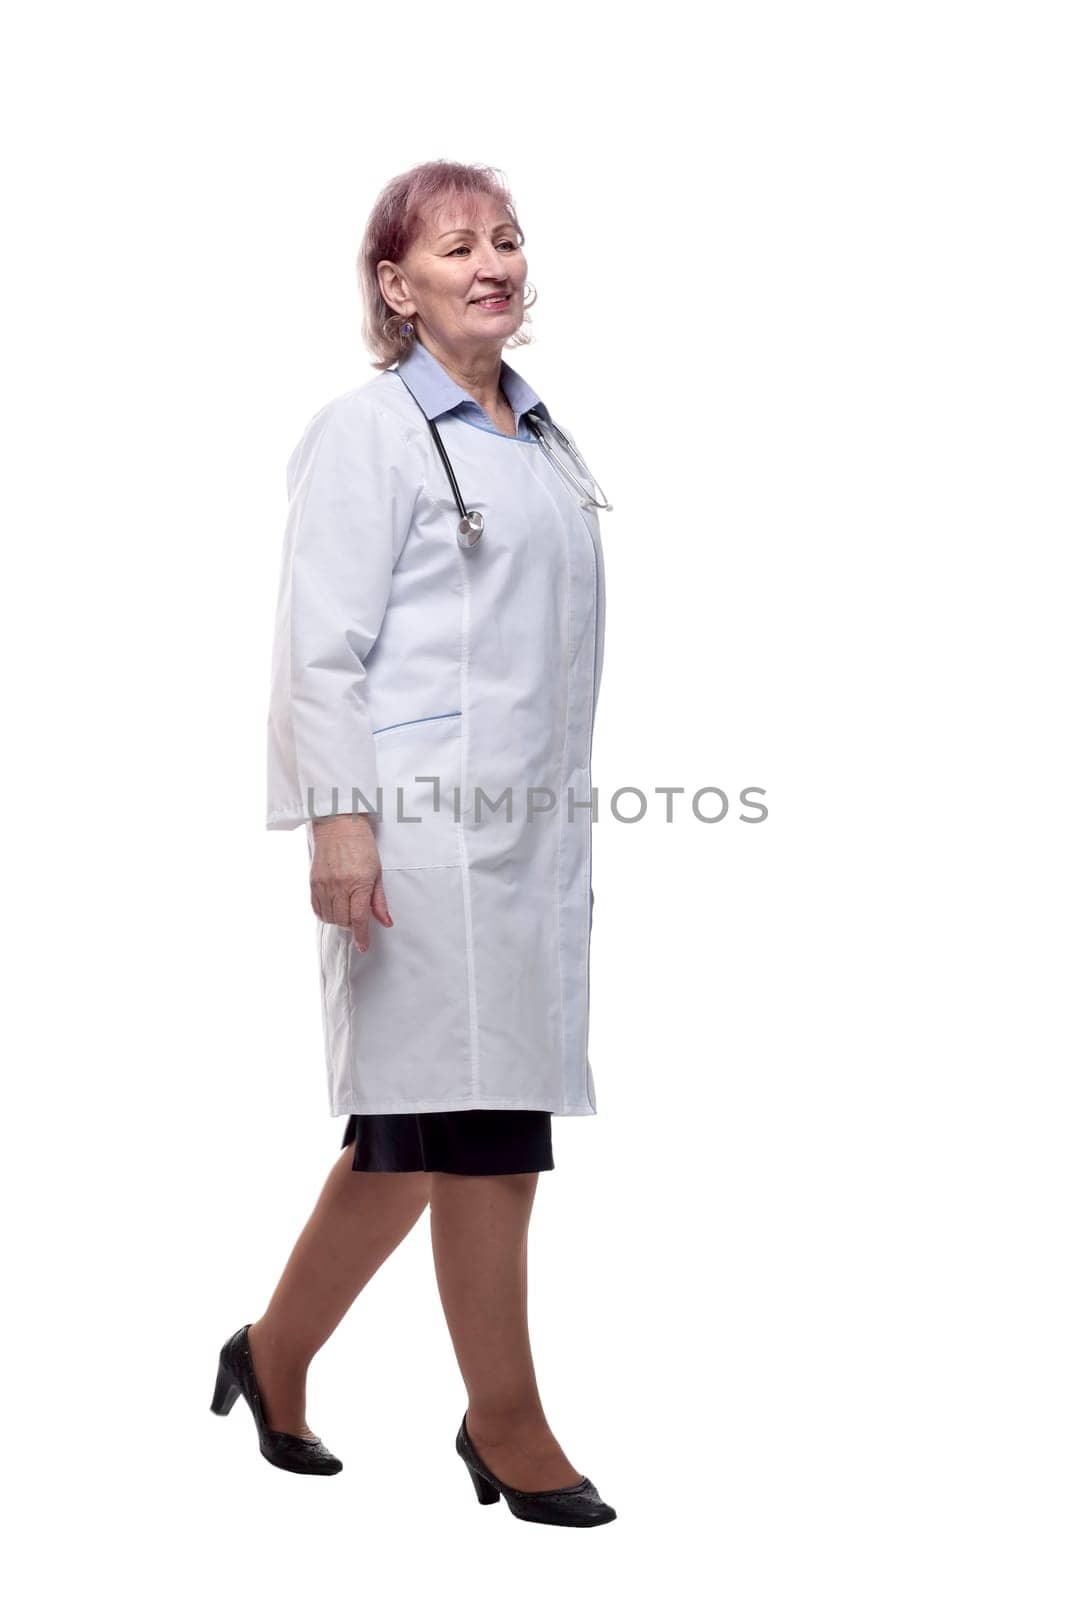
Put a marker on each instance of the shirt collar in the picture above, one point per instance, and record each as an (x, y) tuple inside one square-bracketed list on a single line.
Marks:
[(437, 393)]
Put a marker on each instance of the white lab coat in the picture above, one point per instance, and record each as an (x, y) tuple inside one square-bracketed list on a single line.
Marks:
[(399, 657)]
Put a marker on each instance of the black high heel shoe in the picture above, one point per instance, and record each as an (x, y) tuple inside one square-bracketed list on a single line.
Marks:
[(290, 1451), (576, 1506)]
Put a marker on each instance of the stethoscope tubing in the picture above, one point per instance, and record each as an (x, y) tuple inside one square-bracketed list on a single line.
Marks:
[(472, 523)]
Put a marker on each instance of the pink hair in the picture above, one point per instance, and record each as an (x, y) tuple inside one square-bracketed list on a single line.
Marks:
[(405, 204)]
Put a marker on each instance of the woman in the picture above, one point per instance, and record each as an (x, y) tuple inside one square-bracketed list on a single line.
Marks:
[(431, 721)]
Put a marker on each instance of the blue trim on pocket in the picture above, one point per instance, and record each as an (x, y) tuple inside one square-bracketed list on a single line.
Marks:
[(437, 716)]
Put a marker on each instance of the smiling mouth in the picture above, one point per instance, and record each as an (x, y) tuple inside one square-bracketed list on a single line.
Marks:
[(492, 300)]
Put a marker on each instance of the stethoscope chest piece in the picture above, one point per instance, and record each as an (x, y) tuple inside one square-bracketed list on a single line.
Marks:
[(470, 530)]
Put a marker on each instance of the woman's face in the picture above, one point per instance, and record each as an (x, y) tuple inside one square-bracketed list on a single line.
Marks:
[(464, 254)]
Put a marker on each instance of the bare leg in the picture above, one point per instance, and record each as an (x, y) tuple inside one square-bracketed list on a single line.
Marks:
[(358, 1221), (479, 1230)]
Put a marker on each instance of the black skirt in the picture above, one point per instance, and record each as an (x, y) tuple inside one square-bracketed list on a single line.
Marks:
[(474, 1143)]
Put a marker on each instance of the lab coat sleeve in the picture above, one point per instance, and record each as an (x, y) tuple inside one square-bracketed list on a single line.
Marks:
[(353, 482)]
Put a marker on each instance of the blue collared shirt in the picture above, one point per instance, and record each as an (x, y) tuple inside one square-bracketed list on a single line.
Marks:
[(437, 393)]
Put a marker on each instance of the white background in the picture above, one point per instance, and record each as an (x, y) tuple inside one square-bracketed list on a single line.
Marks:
[(797, 1290)]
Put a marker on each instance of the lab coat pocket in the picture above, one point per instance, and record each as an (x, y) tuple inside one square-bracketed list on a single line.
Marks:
[(419, 764)]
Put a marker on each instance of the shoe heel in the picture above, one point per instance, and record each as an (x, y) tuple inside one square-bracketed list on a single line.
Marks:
[(226, 1392), (487, 1494)]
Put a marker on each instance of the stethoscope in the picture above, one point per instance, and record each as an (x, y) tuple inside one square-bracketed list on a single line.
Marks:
[(472, 523)]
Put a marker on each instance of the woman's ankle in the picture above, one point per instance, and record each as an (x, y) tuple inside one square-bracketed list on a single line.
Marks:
[(273, 1346), (511, 1425)]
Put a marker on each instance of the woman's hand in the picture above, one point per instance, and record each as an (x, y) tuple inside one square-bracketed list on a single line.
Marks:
[(346, 876)]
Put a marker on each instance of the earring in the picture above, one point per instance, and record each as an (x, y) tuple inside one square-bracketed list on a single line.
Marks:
[(406, 330)]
